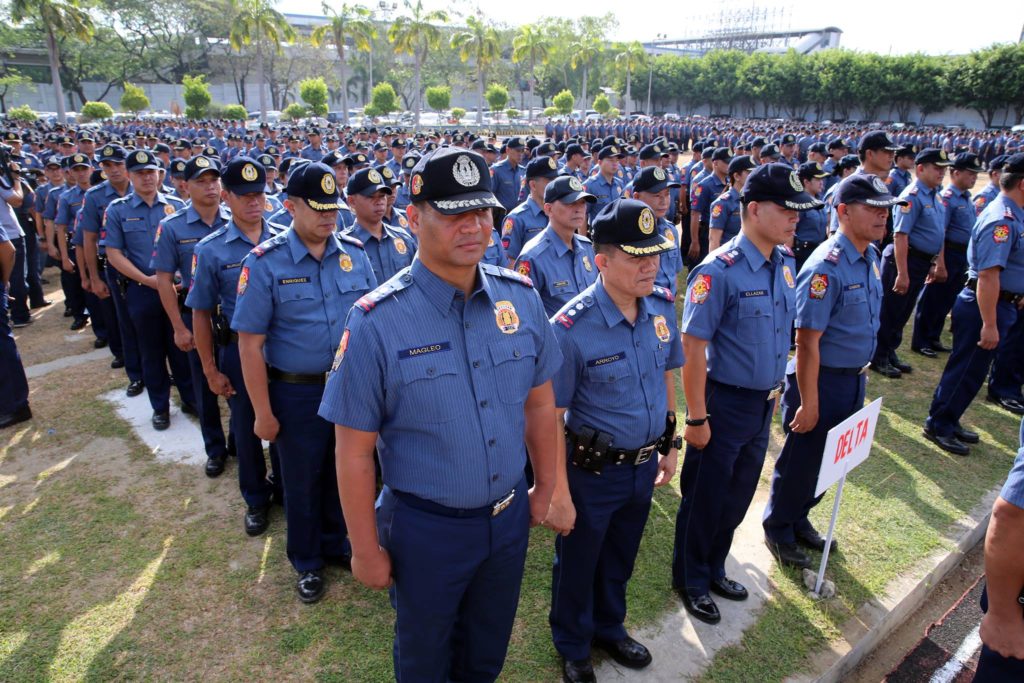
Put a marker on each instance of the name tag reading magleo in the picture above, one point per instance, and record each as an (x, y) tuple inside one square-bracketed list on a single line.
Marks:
[(417, 351)]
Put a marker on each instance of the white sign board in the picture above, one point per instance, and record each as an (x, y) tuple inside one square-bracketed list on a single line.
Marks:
[(848, 445)]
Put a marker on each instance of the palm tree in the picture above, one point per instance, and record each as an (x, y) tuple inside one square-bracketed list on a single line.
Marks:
[(631, 57), (584, 52), (349, 23), (481, 42), (415, 35), (253, 22), (58, 19), (531, 45)]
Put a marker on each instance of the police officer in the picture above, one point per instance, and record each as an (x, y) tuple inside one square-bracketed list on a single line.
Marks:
[(507, 174), (173, 260), (900, 176), (389, 247), (293, 292), (131, 224), (653, 186), (446, 370), (990, 191), (560, 259), (838, 296), (216, 267), (724, 223), (938, 296), (528, 219), (707, 189), (615, 394), (812, 228), (14, 407), (605, 184), (736, 324), (984, 311), (69, 203), (914, 257), (315, 150)]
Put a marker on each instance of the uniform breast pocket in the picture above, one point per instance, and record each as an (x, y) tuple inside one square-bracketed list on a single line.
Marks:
[(754, 321), (431, 384), (296, 294), (514, 362), (854, 306), (614, 380)]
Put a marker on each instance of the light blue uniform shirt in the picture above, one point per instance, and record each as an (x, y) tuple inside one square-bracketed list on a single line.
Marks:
[(923, 220), (998, 241), (393, 251), (521, 225), (671, 262), (176, 240), (706, 191), (605, 191), (90, 218), (960, 215), (131, 226), (506, 181), (443, 380), (725, 214), (812, 226), (558, 272)]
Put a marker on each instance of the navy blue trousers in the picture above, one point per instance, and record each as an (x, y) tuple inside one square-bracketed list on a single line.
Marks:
[(1008, 365), (796, 471), (718, 484), (305, 445), (896, 308), (74, 295), (252, 464), (594, 563), (17, 288), (937, 301), (129, 341), (13, 384), (157, 349), (992, 666), (967, 365), (205, 401), (456, 587)]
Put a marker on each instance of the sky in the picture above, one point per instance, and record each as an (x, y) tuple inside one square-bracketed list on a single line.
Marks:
[(883, 26)]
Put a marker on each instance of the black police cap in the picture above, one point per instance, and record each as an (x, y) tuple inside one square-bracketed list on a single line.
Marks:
[(514, 143), (818, 147), (1014, 163), (199, 165), (906, 151), (811, 169), (743, 162), (788, 139), (113, 153), (846, 161), (79, 159), (932, 155), (652, 151), (838, 143), (314, 182), (630, 225), (721, 154), (409, 162), (366, 182), (53, 160), (178, 168), (612, 151), (142, 160), (877, 139), (997, 163), (573, 149), (866, 188), (968, 161), (653, 179), (780, 184), (244, 175), (388, 175), (758, 142), (567, 190), (770, 150), (542, 167), (453, 180)]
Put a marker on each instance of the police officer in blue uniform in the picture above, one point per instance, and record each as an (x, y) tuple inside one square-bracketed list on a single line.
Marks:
[(507, 174), (990, 191), (217, 264), (615, 394), (914, 257), (707, 189), (653, 186), (14, 407), (293, 292), (900, 176), (560, 259), (446, 369), (838, 297), (605, 183), (526, 221), (724, 222), (739, 309), (69, 203), (985, 310), (812, 228), (389, 247), (173, 260), (938, 296)]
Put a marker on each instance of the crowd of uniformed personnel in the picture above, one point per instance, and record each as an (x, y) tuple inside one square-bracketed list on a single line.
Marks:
[(447, 338)]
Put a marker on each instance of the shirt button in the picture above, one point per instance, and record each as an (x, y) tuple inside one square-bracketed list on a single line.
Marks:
[(516, 354), (494, 477), (491, 442), (483, 404), (467, 325), (476, 364), (638, 344), (430, 371)]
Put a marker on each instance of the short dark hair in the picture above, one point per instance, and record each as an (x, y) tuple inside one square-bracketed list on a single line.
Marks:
[(1009, 181)]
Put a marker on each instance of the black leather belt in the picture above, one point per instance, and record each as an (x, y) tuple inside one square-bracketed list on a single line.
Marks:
[(492, 510), (1010, 297), (101, 261), (931, 258), (593, 453), (768, 394), (845, 371), (956, 246), (295, 378)]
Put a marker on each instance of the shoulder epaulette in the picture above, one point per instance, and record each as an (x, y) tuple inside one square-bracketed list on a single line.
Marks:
[(345, 237), (947, 193), (785, 250), (567, 316), (1007, 212), (729, 257), (268, 245), (913, 189), (397, 283), (275, 228), (663, 293), (583, 238), (833, 254), (507, 274), (219, 232)]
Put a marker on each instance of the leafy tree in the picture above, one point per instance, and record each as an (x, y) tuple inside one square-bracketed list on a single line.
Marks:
[(551, 111), (439, 97), (313, 92), (349, 24), (384, 100), (234, 112), (601, 104), (614, 113), (479, 41), (458, 113), (630, 58), (134, 99), (531, 45), (416, 34), (95, 111), (60, 19), (255, 22), (10, 81), (294, 111), (585, 52), (497, 96), (371, 111), (22, 113), (564, 101), (197, 96), (512, 113)]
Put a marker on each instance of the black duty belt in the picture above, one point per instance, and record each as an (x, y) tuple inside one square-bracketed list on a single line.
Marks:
[(1010, 297), (845, 371), (492, 510), (101, 261), (956, 246), (273, 373), (912, 251), (592, 450)]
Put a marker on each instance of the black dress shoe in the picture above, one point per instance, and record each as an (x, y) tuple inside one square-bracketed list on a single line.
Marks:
[(310, 586), (68, 313), (78, 324), (257, 519), (578, 671), (788, 554), (134, 388), (940, 347), (189, 409), (99, 344), (117, 363), (965, 435), (702, 607), (810, 538), (900, 365), (627, 652), (43, 304), (886, 370), (214, 467), (21, 323), (950, 444), (161, 420), (1011, 404), (20, 415), (926, 351), (728, 589)]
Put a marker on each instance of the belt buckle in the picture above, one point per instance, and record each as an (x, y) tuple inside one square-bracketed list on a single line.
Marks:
[(644, 454), (775, 392), (500, 506), (865, 368)]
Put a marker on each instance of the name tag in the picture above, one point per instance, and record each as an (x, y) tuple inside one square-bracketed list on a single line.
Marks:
[(417, 351), (130, 219), (753, 293), (847, 288), (598, 362), (229, 266), (190, 240), (562, 283), (292, 280)]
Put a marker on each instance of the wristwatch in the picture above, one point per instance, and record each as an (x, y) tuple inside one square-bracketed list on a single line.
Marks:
[(697, 423)]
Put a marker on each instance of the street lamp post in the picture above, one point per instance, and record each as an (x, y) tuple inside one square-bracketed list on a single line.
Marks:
[(650, 76), (385, 8)]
